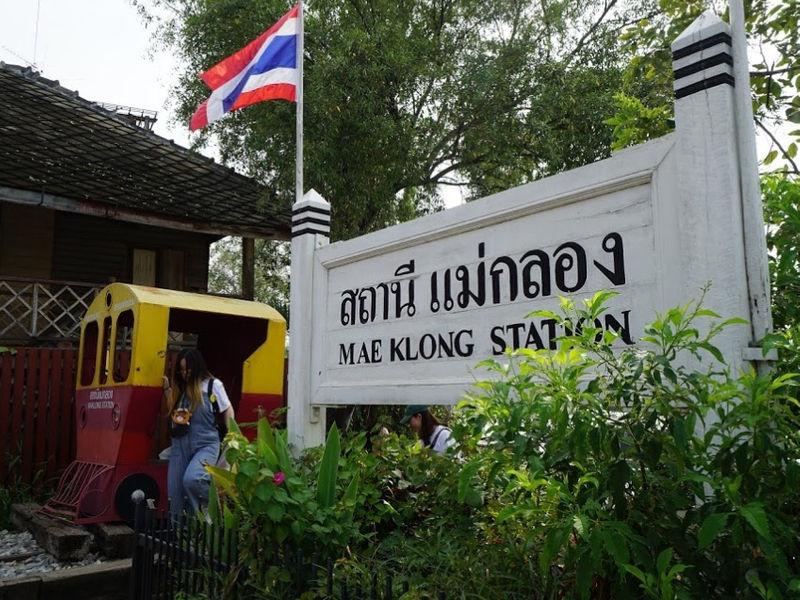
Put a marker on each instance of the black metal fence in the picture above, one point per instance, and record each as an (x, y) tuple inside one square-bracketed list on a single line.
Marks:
[(192, 560)]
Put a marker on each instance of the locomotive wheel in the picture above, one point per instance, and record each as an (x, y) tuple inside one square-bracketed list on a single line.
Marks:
[(122, 499)]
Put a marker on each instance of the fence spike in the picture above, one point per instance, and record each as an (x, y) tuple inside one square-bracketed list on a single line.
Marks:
[(329, 587), (218, 570), (136, 562), (184, 546), (149, 553), (196, 556), (170, 558), (158, 546)]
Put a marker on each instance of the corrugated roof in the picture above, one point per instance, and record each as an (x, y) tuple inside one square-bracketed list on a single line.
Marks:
[(59, 145)]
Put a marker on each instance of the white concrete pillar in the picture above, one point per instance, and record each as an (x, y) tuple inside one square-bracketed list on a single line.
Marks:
[(707, 168), (709, 212), (311, 218)]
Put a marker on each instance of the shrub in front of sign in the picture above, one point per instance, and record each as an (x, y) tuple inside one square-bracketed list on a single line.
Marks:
[(630, 475), (597, 470)]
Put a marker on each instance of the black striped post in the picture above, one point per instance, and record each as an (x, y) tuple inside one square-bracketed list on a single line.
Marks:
[(311, 225), (702, 58)]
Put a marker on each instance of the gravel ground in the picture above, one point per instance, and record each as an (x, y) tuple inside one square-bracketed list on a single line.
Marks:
[(13, 544)]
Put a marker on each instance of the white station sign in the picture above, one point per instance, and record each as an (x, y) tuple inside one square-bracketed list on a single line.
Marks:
[(404, 315), (408, 312)]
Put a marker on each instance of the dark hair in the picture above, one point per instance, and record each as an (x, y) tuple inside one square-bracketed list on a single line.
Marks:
[(429, 424), (197, 371)]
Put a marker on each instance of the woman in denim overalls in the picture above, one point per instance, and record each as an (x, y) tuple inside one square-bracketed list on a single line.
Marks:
[(195, 439)]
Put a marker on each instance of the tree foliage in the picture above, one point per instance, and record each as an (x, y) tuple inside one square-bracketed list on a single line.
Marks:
[(782, 215), (772, 28), (271, 271), (403, 97)]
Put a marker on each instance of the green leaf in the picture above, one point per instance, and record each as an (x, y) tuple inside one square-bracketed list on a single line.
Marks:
[(553, 543), (351, 493), (754, 514), (713, 350), (473, 498), (284, 457), (710, 529), (265, 442), (264, 490), (275, 512), (636, 572), (249, 467), (233, 426), (616, 547), (281, 533), (213, 503), (224, 479), (543, 314), (675, 571), (465, 479), (507, 513), (755, 581), (328, 468), (230, 518), (583, 575), (663, 560)]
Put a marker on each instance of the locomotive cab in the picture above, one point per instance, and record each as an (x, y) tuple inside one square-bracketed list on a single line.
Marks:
[(129, 339)]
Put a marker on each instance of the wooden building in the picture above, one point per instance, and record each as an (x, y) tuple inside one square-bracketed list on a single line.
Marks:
[(87, 197)]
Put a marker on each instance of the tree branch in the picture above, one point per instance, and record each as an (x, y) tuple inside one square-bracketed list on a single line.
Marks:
[(772, 72), (778, 144), (590, 32), (455, 166)]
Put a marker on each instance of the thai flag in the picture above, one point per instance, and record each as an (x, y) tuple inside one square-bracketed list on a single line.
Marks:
[(265, 69)]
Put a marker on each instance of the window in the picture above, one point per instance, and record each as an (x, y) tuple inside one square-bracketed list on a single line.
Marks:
[(89, 345), (106, 350), (144, 267), (123, 345)]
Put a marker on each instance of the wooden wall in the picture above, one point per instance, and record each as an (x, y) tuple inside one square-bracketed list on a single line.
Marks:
[(46, 244), (26, 241)]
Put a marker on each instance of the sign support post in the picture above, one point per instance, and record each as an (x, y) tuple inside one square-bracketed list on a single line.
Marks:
[(311, 218)]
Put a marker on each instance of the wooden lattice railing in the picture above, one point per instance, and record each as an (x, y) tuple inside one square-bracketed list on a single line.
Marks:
[(42, 310)]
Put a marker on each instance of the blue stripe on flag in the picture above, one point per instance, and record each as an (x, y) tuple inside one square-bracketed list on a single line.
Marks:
[(281, 52)]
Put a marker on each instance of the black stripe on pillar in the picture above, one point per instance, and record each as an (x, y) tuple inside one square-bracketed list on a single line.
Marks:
[(701, 65), (705, 84), (325, 222), (720, 38), (313, 209), (308, 230)]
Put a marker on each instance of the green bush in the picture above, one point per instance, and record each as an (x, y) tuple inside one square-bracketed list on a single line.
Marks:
[(593, 471), (631, 475)]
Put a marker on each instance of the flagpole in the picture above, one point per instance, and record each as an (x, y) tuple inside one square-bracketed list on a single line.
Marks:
[(298, 176)]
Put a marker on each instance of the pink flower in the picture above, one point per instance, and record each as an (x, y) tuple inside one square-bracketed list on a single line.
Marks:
[(278, 478)]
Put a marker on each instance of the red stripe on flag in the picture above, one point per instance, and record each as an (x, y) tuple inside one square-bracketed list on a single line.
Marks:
[(229, 67), (275, 91), (199, 118)]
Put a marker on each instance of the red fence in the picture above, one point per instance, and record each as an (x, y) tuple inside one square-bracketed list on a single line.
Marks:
[(37, 420)]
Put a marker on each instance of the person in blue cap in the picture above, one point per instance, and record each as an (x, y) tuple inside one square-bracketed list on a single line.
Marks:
[(432, 433)]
